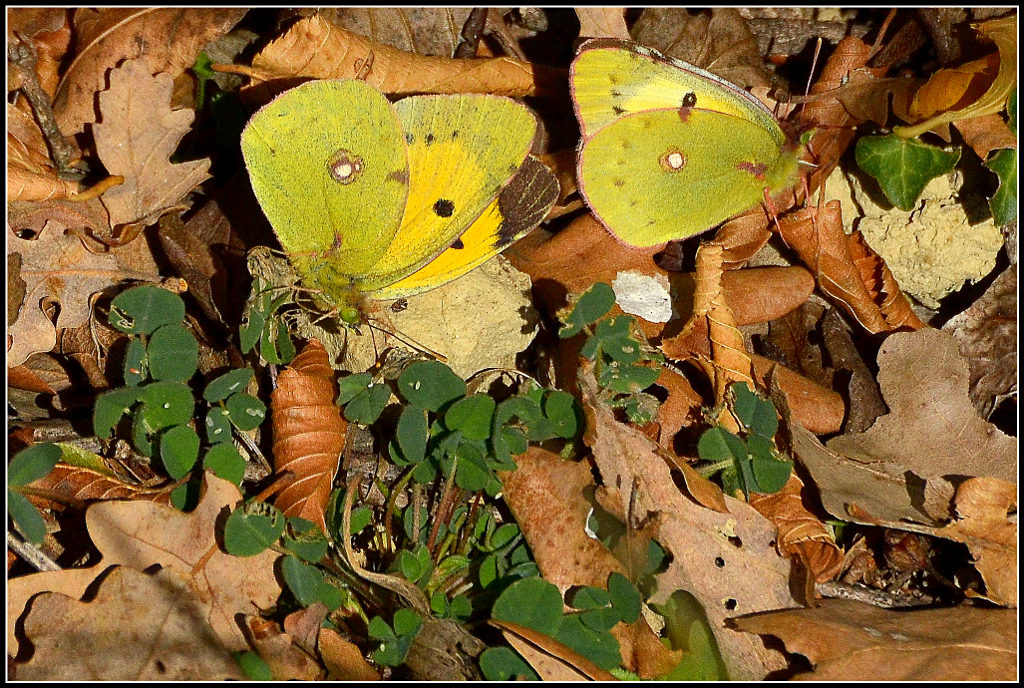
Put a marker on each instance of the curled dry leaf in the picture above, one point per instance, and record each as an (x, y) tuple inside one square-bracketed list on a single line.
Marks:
[(309, 434), (313, 47), (847, 270), (31, 175), (286, 661), (135, 139), (77, 484), (166, 38), (936, 94), (985, 509), (852, 641), (728, 561), (139, 627), (729, 361), (801, 534)]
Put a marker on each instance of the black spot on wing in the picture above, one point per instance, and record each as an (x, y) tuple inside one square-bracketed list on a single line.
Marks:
[(444, 207), (457, 244)]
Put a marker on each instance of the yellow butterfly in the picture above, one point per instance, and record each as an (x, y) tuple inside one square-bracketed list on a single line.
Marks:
[(374, 200), (670, 150)]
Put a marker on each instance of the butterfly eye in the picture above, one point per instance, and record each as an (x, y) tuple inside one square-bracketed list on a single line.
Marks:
[(345, 166)]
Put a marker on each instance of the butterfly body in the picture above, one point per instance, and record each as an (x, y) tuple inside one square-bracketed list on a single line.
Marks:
[(670, 150), (366, 196)]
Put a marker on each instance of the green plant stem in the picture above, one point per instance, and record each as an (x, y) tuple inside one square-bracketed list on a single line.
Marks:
[(391, 510), (708, 471)]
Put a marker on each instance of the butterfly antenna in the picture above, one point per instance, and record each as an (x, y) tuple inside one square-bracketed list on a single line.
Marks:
[(814, 68), (406, 339)]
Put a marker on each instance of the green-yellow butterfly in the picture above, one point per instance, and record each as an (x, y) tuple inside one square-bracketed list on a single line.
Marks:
[(378, 200), (670, 150)]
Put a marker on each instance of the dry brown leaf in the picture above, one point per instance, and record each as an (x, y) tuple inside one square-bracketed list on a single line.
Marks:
[(286, 661), (136, 137), (313, 47), (420, 30), (31, 175), (309, 434), (863, 491), (728, 561), (57, 268), (78, 484), (729, 361), (987, 335), (833, 117), (546, 495), (681, 407), (552, 660), (847, 269), (986, 134), (167, 38), (800, 533), (851, 641), (719, 40), (139, 627), (818, 408), (602, 22), (815, 342), (140, 534), (932, 429), (344, 660), (984, 507)]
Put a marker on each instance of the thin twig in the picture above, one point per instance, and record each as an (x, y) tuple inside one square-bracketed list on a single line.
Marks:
[(30, 553)]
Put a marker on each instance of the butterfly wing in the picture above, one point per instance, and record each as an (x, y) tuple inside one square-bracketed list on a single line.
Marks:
[(522, 204), (463, 150), (611, 78), (655, 176), (327, 162)]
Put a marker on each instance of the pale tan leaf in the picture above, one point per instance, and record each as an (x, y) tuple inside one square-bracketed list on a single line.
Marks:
[(140, 534), (851, 641), (552, 660), (932, 429), (138, 628), (728, 561), (56, 268), (136, 138), (343, 659), (602, 22)]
